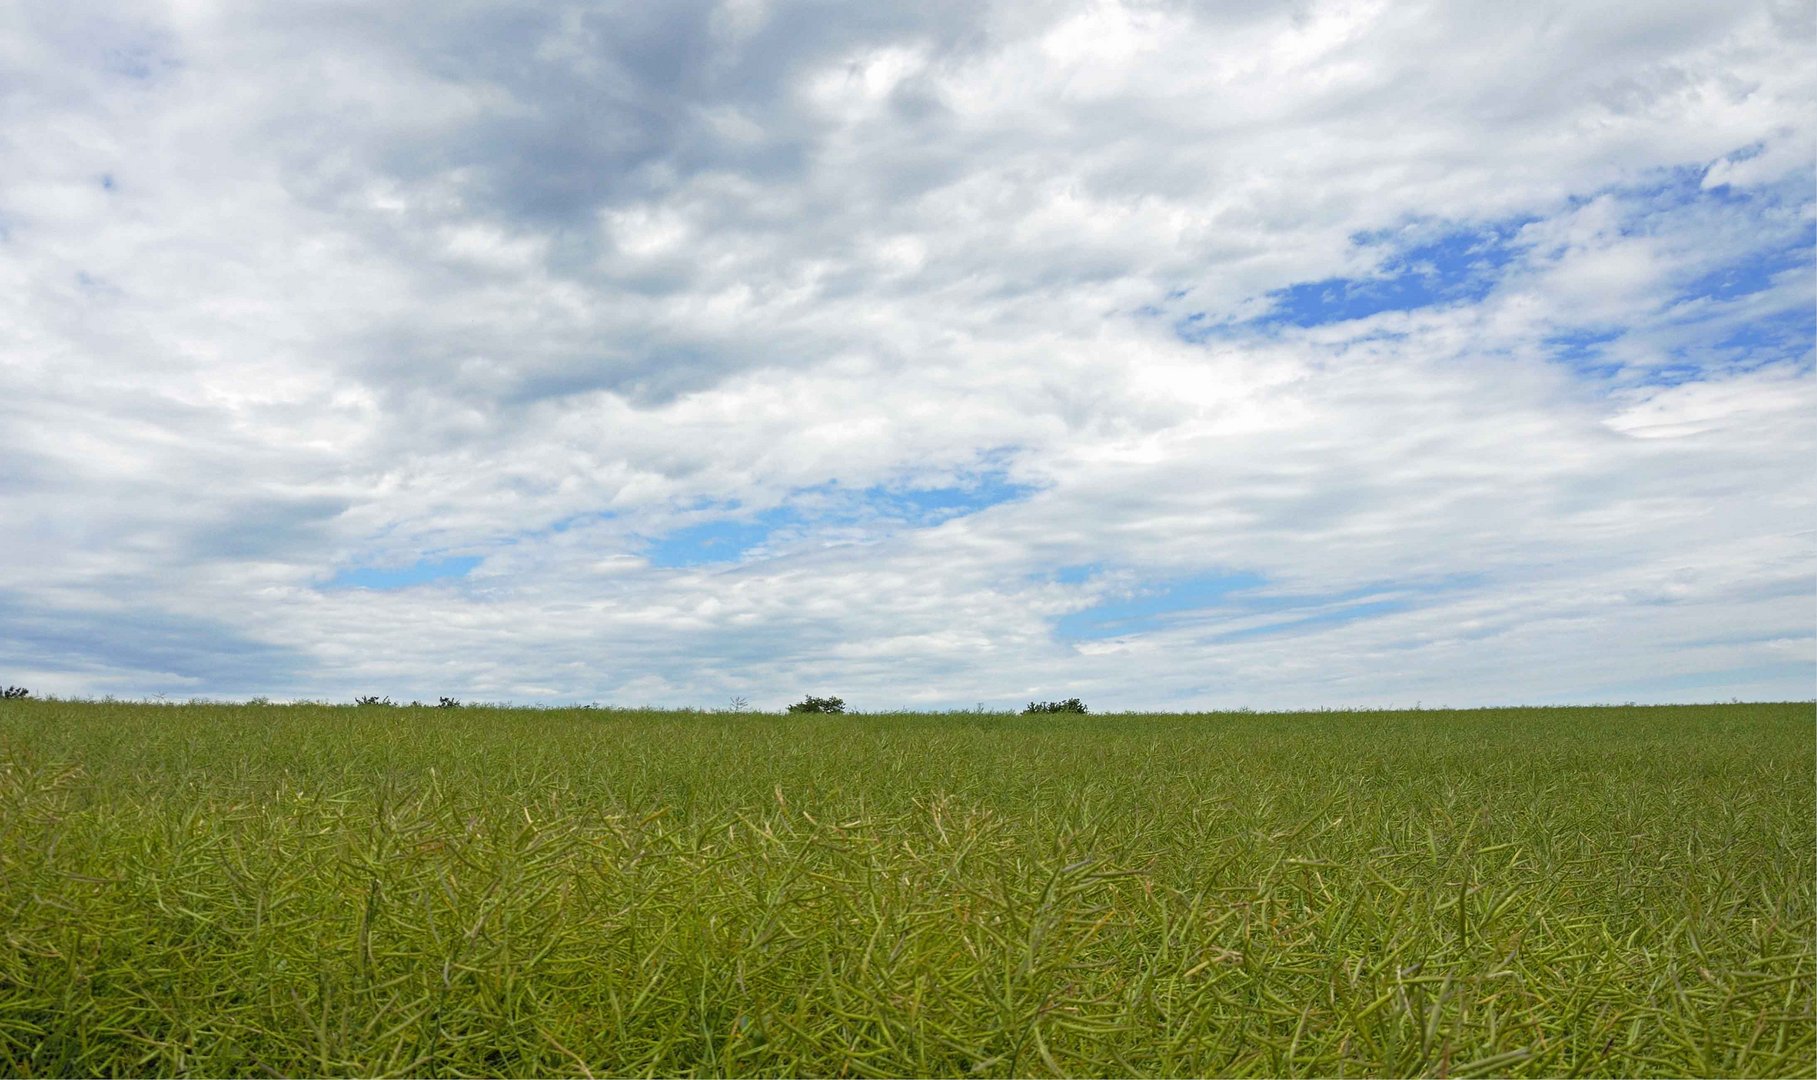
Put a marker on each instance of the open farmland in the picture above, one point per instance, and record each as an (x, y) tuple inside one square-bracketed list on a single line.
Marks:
[(223, 890)]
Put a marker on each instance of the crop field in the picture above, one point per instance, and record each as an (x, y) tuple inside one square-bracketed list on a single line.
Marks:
[(251, 890)]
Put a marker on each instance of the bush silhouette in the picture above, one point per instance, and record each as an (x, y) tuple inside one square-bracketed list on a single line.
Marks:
[(819, 704), (1070, 705)]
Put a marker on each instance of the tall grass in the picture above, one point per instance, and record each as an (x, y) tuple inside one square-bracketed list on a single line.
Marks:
[(225, 890)]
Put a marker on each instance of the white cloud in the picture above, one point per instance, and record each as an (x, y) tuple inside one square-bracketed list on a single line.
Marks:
[(287, 290)]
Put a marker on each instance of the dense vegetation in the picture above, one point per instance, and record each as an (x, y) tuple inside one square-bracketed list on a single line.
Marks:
[(219, 890)]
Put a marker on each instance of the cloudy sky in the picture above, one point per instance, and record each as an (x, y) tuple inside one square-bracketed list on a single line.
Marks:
[(1163, 354)]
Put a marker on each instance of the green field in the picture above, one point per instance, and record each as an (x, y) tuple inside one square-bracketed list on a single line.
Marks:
[(228, 890)]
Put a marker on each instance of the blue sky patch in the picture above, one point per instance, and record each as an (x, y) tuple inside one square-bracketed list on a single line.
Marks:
[(931, 505), (1238, 595), (722, 541), (1729, 342), (1752, 274), (1784, 335), (1417, 268), (1338, 615), (1729, 313), (403, 577), (1582, 351), (884, 508), (1459, 267), (1152, 608)]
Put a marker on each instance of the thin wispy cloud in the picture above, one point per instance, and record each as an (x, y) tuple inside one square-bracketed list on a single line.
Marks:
[(1167, 356)]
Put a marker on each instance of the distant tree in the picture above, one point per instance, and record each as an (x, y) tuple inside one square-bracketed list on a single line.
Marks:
[(819, 705), (15, 693), (1070, 705)]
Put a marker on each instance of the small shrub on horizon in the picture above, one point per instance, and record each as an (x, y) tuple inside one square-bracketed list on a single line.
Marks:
[(812, 704), (447, 703), (1070, 705), (15, 693), (373, 700)]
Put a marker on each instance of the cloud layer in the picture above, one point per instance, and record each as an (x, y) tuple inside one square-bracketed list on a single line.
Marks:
[(1323, 354)]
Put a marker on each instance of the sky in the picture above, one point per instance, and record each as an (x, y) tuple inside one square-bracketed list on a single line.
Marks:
[(934, 355)]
